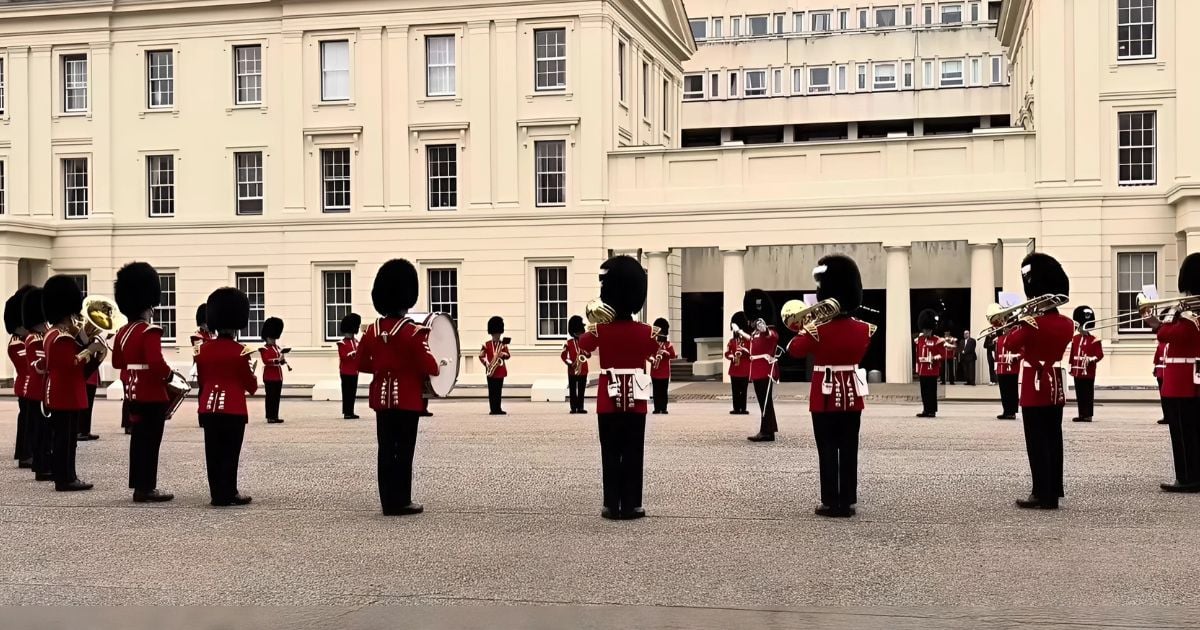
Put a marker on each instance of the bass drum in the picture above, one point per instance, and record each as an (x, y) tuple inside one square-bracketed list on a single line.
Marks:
[(443, 343)]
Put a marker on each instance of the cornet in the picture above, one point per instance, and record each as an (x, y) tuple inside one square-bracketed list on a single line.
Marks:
[(799, 317)]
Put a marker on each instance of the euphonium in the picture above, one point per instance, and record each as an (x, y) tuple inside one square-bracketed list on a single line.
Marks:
[(98, 320), (597, 312), (799, 317)]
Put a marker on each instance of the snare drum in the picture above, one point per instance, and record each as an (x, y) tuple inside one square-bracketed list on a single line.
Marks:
[(443, 343)]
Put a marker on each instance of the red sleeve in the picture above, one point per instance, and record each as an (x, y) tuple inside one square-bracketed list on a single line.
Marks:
[(670, 354), (483, 355), (343, 350), (589, 341), (249, 380), (60, 353), (730, 349), (428, 362), (504, 353), (366, 358), (801, 346), (1015, 341), (1098, 350), (565, 354), (154, 357)]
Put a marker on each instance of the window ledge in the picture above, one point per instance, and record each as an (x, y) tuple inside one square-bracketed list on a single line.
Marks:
[(544, 93), (333, 104), (1133, 63), (445, 98), (87, 115), (155, 111), (259, 107)]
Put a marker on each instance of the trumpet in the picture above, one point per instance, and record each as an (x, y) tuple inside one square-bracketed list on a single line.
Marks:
[(98, 320), (1005, 319), (799, 317), (1145, 307)]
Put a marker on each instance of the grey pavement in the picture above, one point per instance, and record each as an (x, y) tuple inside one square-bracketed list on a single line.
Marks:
[(513, 518)]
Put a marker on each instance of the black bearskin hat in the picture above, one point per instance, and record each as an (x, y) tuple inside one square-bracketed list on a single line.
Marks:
[(575, 326), (61, 298), (623, 285), (927, 320), (136, 289), (756, 304), (350, 324), (272, 328), (495, 325), (395, 289), (202, 314), (1043, 275), (227, 309), (1084, 316), (948, 327), (739, 320), (837, 277), (1189, 275), (32, 314), (663, 325), (12, 310)]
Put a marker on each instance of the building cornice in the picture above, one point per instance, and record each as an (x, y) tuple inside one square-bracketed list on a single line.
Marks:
[(1012, 16)]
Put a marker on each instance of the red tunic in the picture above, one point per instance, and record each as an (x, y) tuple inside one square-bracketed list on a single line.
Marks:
[(272, 358), (570, 355), (1041, 351), (762, 354), (16, 354), (488, 352), (223, 369), (660, 362), (137, 352), (93, 379), (929, 355), (1086, 352), (1158, 359), (1180, 354), (348, 356), (35, 375), (841, 346), (623, 345), (737, 351), (397, 352), (1007, 361), (66, 380)]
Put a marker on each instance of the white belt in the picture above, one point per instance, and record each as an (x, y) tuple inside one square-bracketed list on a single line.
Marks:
[(769, 357), (625, 372), (835, 368), (1048, 365), (1181, 360), (137, 367)]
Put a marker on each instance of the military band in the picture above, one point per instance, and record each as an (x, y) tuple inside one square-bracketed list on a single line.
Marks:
[(929, 355), (737, 352), (1007, 377), (764, 360), (34, 395), (660, 365)]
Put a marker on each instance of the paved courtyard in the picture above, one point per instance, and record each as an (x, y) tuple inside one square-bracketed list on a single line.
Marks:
[(513, 516)]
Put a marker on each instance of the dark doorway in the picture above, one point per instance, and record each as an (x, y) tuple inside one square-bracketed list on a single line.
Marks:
[(954, 306), (702, 317)]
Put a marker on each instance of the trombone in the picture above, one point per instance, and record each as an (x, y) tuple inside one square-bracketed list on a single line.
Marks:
[(1005, 319), (1145, 307)]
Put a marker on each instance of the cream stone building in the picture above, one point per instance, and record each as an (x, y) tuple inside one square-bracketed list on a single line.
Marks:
[(288, 147)]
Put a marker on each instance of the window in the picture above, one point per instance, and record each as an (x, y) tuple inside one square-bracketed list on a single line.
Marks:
[(862, 18), (699, 29), (779, 23), (75, 187), (714, 85), (1134, 271), (160, 185), (81, 281), (443, 292), (736, 29), (621, 68), (164, 313), (666, 105), (951, 14), (247, 63), (254, 285), (975, 71), (439, 65), (797, 80), (75, 83), (797, 22), (2, 84), (777, 82), (885, 17), (862, 76), (335, 70), (716, 27), (818, 80), (550, 58), (843, 20), (841, 78), (160, 78), (335, 180), (952, 73), (1135, 29), (820, 22), (908, 15), (996, 78), (645, 89), (3, 189), (757, 25), (756, 83), (249, 174), (693, 87), (551, 302), (1135, 155), (928, 11), (336, 285), (550, 164), (885, 76), (928, 68), (733, 86), (974, 11), (442, 161), (908, 75), (993, 10)]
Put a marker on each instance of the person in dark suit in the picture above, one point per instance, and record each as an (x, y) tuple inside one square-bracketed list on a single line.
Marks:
[(990, 345), (967, 357)]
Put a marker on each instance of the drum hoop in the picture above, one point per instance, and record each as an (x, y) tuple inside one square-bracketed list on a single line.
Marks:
[(457, 342)]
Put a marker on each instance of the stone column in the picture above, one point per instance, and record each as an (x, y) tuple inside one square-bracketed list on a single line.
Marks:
[(1015, 250), (899, 337), (733, 262), (983, 278), (657, 296)]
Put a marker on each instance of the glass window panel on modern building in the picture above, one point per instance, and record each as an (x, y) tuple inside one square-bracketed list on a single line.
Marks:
[(862, 76), (997, 77), (820, 22), (164, 313), (442, 161), (551, 302), (247, 66), (335, 70), (818, 80), (714, 85), (757, 25), (951, 14), (735, 27), (75, 83), (160, 77), (439, 65), (550, 58), (666, 98), (928, 13), (908, 74), (756, 83), (254, 285), (885, 76), (699, 29), (716, 27), (797, 22), (249, 174), (693, 87), (1135, 29), (976, 73), (1134, 271), (335, 180), (1136, 141), (338, 301), (885, 17), (908, 16), (952, 73), (841, 78), (160, 185), (551, 168), (645, 89), (443, 291), (75, 187), (780, 23), (862, 18)]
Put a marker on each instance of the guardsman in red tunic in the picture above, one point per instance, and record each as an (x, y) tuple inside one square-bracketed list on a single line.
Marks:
[(23, 450), (1159, 352), (1041, 343), (764, 359), (837, 395), (396, 351), (1008, 365), (69, 361), (137, 352), (624, 347), (660, 365), (348, 363), (224, 367), (273, 361), (494, 356), (576, 361), (950, 349), (930, 351), (737, 352), (1086, 352), (1179, 329), (33, 397)]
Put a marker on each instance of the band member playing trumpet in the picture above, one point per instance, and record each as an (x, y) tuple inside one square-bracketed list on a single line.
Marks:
[(836, 396), (34, 320), (224, 367), (764, 360), (1179, 330), (137, 352), (23, 450), (930, 353), (737, 352), (348, 363), (576, 361), (494, 356), (660, 365), (273, 361), (1086, 352)]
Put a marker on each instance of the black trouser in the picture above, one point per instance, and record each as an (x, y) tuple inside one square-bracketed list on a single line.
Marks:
[(1085, 395), (948, 371), (740, 386), (1161, 401), (576, 387), (199, 390), (397, 434), (223, 435), (495, 389), (929, 394), (622, 452), (766, 406), (85, 419), (43, 437), (991, 359), (23, 448), (837, 453), (125, 415), (149, 420), (274, 390), (661, 385), (968, 368), (1010, 394), (1183, 418), (65, 428), (349, 393), (1044, 445)]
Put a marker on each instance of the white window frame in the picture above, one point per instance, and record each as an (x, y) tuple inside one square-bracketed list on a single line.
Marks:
[(1141, 25), (717, 33), (3, 187), (76, 209), (330, 73), (780, 23), (248, 185), (766, 22), (646, 90), (254, 285), (798, 22), (1140, 146), (622, 70), (927, 79), (895, 17), (248, 78), (433, 196), (885, 85), (842, 78), (997, 68), (445, 68), (166, 314), (558, 61), (927, 14), (543, 167), (843, 19), (797, 81), (974, 12), (761, 90), (945, 8), (160, 79), (864, 19), (907, 10), (327, 180), (860, 81), (442, 293), (820, 88), (1133, 282), (944, 82), (908, 74), (777, 81), (557, 306), (976, 71), (693, 95), (714, 85), (703, 22), (735, 27), (333, 310), (3, 85), (160, 185), (733, 84), (821, 16), (72, 88)]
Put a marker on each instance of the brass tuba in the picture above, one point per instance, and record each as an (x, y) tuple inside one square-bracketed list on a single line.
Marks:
[(97, 321), (799, 317)]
